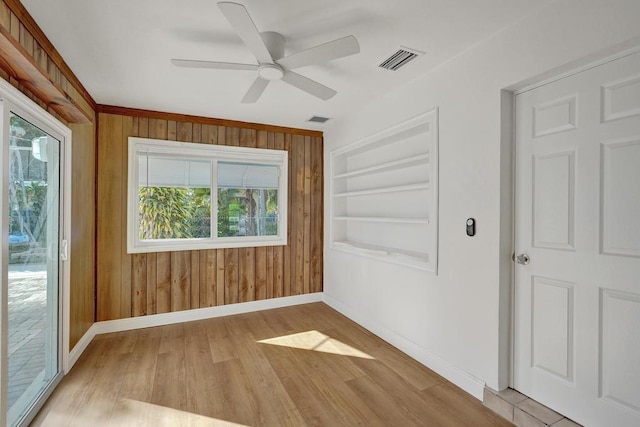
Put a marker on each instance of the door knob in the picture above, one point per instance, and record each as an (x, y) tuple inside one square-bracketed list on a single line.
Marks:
[(523, 259)]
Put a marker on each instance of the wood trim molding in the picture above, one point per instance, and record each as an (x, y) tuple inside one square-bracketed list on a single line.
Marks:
[(135, 112), (31, 25), (16, 61)]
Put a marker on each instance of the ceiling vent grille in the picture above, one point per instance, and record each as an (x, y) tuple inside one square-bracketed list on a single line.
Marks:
[(399, 58), (318, 119)]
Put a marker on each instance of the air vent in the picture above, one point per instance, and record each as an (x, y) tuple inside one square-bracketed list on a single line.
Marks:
[(318, 119), (400, 58)]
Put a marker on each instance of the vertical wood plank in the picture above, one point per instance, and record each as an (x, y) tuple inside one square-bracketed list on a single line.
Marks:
[(26, 40), (289, 250), (247, 274), (297, 270), (233, 136), (195, 280), (184, 132), (109, 265), (306, 233), (180, 280), (172, 130), (139, 285), (126, 259), (152, 279), (208, 276), (210, 134), (197, 133), (15, 26), (317, 213), (5, 16), (261, 139), (231, 276), (221, 284), (163, 282), (261, 273), (279, 251)]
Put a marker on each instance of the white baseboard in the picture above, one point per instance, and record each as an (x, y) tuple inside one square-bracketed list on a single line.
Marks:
[(181, 316), (79, 348), (462, 379), (203, 313)]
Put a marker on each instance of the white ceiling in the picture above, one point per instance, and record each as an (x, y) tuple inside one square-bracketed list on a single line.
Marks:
[(120, 49)]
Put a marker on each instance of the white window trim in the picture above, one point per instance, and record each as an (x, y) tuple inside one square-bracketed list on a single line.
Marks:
[(215, 153)]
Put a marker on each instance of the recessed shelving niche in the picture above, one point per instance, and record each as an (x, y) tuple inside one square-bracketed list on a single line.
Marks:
[(384, 194)]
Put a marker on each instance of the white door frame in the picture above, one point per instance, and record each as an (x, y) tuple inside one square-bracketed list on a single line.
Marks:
[(32, 111), (508, 197)]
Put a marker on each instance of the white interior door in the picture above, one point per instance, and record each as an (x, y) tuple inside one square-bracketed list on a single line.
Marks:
[(577, 283)]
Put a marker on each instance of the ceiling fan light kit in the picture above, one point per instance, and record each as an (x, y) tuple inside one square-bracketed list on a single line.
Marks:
[(268, 49)]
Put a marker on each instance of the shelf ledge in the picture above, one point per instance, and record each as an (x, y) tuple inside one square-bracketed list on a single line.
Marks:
[(382, 190), (407, 258), (383, 219), (397, 164)]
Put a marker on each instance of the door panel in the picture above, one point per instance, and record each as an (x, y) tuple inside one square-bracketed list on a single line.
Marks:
[(33, 208), (577, 303)]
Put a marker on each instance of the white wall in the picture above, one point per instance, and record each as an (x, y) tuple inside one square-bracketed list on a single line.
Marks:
[(453, 321)]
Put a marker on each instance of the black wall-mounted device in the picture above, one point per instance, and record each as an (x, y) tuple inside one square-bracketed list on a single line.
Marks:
[(471, 227)]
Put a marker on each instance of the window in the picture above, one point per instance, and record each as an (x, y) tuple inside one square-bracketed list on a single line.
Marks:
[(185, 196)]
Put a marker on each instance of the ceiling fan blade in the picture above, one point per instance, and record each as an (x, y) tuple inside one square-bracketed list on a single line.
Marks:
[(189, 63), (241, 21), (322, 53), (255, 91), (310, 86)]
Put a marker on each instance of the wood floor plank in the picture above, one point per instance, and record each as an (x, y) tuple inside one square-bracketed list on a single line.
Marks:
[(219, 339), (169, 384), (470, 413), (293, 366)]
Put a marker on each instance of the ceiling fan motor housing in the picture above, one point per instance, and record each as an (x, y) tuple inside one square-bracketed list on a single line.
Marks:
[(270, 71)]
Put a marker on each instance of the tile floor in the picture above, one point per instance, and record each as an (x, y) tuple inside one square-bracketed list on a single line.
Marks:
[(523, 411)]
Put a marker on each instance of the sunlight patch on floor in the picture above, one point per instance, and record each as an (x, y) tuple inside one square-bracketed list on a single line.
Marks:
[(134, 413), (316, 341)]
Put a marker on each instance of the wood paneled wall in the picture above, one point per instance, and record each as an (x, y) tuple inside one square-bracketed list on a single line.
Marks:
[(20, 25), (142, 284)]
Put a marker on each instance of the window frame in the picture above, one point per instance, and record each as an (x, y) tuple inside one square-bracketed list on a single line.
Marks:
[(215, 154)]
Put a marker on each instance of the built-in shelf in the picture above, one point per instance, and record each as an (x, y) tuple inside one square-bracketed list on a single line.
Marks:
[(383, 219), (410, 258), (398, 169), (382, 190), (387, 166)]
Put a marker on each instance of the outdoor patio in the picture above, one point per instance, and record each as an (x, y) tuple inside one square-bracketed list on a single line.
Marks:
[(27, 326)]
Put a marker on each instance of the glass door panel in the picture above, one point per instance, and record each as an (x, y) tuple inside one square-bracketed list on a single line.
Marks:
[(34, 223)]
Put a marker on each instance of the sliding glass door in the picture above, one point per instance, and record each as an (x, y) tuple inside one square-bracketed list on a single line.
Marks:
[(31, 264)]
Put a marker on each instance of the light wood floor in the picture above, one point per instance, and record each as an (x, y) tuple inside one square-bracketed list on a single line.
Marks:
[(296, 366)]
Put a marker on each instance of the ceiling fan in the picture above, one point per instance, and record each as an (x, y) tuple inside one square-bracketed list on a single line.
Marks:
[(268, 48)]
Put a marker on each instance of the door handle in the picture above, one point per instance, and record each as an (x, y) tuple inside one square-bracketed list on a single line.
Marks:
[(523, 259), (64, 250)]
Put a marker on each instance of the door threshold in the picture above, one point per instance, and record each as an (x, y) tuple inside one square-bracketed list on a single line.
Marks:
[(522, 410)]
